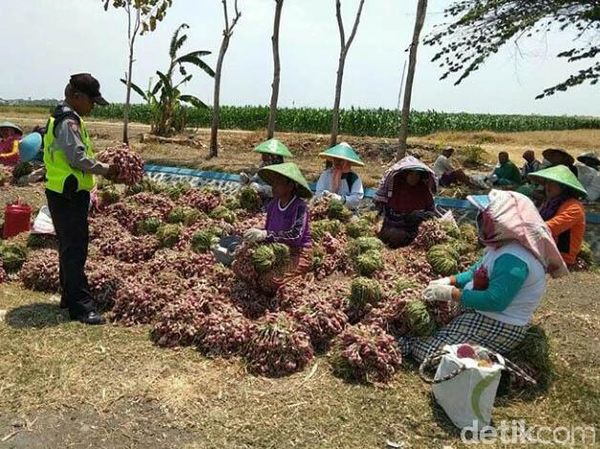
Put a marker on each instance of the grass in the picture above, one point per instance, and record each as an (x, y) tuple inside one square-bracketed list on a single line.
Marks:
[(48, 364)]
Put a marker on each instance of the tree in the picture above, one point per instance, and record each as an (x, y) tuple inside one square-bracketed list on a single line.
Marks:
[(344, 47), (412, 65), (141, 15), (276, 70), (165, 97), (481, 27), (227, 33)]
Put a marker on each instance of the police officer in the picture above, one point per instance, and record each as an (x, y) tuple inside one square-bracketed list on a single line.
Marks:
[(70, 169)]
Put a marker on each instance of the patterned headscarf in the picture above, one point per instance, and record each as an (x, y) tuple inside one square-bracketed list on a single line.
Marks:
[(386, 185), (512, 216)]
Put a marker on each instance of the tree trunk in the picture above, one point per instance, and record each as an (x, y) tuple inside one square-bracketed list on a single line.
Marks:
[(127, 100), (214, 143), (412, 63), (335, 121), (131, 35), (276, 70)]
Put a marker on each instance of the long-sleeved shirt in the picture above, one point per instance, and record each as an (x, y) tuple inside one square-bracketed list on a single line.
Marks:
[(590, 179), (288, 224), (516, 283), (568, 229), (442, 166), (530, 167), (507, 173), (67, 131), (351, 187)]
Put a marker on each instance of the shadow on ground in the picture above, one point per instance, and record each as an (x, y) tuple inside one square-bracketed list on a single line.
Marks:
[(36, 315)]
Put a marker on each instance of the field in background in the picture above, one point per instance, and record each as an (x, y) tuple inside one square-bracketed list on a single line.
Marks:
[(360, 122), (356, 122)]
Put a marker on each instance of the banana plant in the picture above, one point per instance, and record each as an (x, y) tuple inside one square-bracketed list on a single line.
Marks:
[(165, 97)]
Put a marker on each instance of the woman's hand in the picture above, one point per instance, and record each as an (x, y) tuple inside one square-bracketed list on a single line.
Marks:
[(255, 235), (445, 293), (441, 281), (332, 196)]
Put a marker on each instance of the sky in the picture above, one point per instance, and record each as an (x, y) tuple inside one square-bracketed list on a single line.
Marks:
[(44, 41)]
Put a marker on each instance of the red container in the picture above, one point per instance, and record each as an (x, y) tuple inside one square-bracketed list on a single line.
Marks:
[(17, 219)]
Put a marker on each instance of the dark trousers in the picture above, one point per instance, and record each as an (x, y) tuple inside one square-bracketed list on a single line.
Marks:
[(69, 212)]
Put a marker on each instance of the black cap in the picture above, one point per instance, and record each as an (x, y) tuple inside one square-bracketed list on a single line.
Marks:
[(87, 84)]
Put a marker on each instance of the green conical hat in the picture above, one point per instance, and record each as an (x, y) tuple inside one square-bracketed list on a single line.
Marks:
[(343, 151), (561, 174), (275, 147), (10, 125), (290, 171)]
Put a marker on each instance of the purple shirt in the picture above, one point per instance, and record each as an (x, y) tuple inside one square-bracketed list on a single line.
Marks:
[(289, 224)]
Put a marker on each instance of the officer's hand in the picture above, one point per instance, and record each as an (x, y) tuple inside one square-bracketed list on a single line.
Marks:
[(112, 173)]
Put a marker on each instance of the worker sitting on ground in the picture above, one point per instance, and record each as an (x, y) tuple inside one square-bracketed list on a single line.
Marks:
[(563, 212), (506, 172), (287, 221), (531, 164), (272, 152), (588, 174), (558, 156), (405, 198), (445, 172), (338, 181), (10, 135), (500, 293)]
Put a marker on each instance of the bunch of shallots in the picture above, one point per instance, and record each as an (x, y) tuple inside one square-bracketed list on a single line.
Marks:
[(365, 353), (130, 166), (278, 346)]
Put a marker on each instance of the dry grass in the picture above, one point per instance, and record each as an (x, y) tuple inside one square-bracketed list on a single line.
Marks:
[(236, 146), (575, 141)]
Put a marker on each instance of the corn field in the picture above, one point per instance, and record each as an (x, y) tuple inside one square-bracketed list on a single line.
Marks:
[(357, 122), (360, 122)]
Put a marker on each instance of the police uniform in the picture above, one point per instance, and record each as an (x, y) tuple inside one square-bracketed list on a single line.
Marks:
[(70, 169)]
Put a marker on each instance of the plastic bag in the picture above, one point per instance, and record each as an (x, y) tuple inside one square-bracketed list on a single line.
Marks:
[(449, 217), (465, 388), (43, 222)]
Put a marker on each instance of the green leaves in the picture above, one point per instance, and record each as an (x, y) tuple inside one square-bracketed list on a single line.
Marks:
[(481, 27), (137, 89), (166, 113), (177, 41), (194, 101), (363, 122), (151, 11), (194, 59)]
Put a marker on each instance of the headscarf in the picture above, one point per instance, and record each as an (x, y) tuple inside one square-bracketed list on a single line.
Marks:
[(551, 206), (386, 185), (406, 198), (511, 216)]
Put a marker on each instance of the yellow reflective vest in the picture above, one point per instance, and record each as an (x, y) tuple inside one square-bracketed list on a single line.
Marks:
[(58, 168)]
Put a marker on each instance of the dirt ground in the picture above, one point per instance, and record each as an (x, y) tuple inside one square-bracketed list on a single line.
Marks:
[(66, 385), (63, 384)]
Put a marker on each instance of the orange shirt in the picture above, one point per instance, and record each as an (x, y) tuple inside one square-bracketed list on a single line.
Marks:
[(568, 228)]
